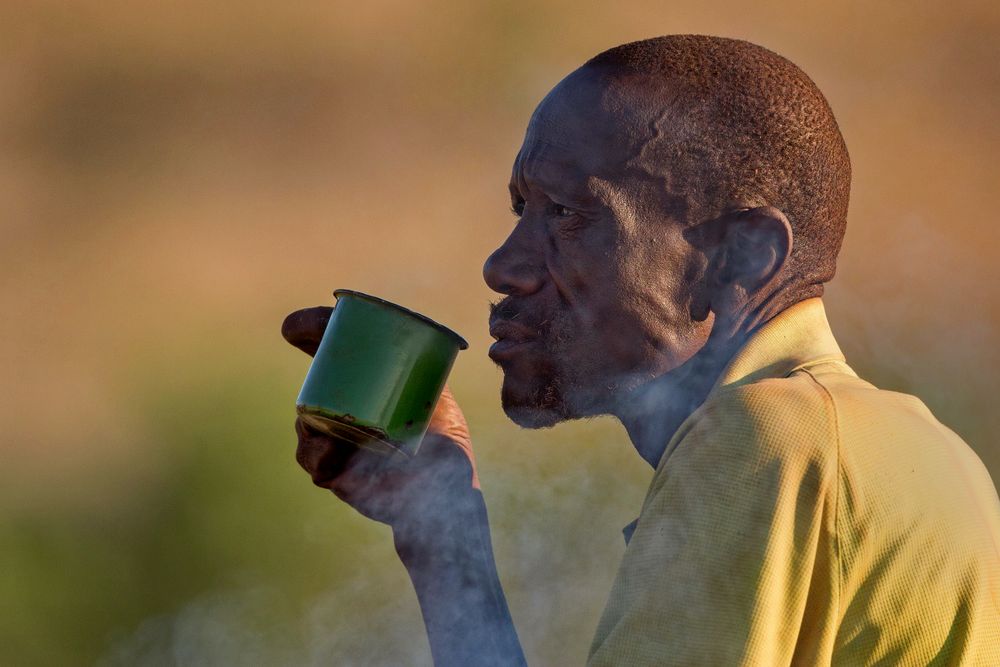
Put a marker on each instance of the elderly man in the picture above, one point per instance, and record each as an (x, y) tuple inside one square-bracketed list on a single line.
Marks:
[(681, 202)]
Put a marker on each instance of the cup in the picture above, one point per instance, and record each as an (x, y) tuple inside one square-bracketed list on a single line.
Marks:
[(377, 375)]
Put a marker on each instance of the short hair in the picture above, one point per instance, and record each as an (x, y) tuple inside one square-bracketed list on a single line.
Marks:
[(762, 133)]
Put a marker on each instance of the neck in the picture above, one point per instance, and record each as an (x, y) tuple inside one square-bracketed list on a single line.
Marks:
[(653, 412)]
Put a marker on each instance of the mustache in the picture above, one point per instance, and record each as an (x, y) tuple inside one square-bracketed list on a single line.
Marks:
[(509, 309), (504, 309)]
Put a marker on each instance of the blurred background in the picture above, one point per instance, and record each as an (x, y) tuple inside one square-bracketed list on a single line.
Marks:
[(176, 177)]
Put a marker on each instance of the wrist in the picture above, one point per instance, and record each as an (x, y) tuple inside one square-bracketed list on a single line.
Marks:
[(443, 531)]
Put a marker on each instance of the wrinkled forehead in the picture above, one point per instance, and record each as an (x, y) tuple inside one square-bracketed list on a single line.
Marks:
[(586, 126)]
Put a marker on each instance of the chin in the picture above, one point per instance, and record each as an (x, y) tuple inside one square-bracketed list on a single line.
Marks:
[(539, 393), (535, 407), (532, 417)]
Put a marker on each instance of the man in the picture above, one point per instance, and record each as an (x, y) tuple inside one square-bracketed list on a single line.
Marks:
[(681, 203)]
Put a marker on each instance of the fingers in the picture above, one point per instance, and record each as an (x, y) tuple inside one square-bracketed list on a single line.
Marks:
[(364, 480), (387, 489), (449, 422), (447, 418), (321, 456), (304, 328)]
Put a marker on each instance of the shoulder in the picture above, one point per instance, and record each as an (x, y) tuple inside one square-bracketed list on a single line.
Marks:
[(762, 439), (748, 451), (766, 419)]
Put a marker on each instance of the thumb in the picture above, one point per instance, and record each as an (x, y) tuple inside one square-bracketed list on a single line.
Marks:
[(304, 328)]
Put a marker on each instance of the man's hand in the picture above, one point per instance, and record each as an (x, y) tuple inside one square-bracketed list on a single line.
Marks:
[(394, 491), (438, 518)]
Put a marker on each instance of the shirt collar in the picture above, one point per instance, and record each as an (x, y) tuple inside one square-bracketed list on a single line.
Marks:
[(796, 337)]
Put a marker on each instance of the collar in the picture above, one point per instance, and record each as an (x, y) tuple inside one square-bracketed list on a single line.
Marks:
[(795, 338)]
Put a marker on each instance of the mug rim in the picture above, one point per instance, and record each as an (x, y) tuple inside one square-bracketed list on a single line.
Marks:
[(461, 342)]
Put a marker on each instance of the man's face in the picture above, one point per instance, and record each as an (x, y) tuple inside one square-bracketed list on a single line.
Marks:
[(597, 275)]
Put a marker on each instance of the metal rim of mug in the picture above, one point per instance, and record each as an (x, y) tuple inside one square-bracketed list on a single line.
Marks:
[(462, 344), (331, 425)]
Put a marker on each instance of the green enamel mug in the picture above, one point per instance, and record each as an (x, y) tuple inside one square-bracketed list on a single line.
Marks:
[(377, 374)]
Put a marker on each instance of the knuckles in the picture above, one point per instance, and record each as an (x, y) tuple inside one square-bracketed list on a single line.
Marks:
[(384, 490), (320, 456), (306, 457)]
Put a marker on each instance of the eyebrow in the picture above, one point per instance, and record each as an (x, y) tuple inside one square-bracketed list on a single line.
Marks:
[(575, 193)]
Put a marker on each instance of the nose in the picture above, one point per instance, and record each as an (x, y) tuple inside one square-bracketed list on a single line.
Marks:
[(513, 269)]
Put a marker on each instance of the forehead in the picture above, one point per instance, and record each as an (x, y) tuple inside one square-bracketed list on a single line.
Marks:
[(580, 130)]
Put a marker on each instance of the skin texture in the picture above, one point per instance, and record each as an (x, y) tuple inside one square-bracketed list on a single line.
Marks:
[(601, 238), (580, 256), (620, 296)]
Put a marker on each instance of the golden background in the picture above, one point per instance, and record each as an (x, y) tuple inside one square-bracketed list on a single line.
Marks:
[(175, 177)]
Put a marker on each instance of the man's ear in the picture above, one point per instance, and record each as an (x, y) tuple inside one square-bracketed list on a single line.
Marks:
[(754, 245)]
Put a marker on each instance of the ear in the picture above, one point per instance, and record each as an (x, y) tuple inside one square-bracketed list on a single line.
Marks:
[(754, 245)]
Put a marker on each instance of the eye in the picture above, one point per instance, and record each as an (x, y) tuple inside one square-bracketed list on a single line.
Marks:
[(561, 211), (517, 207)]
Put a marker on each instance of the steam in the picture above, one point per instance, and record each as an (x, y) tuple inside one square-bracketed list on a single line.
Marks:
[(238, 627), (556, 533), (212, 630)]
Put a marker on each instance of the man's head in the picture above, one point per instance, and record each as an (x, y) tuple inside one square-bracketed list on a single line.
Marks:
[(661, 186)]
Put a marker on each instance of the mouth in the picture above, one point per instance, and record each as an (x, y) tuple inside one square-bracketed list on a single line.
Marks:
[(506, 348), (510, 339)]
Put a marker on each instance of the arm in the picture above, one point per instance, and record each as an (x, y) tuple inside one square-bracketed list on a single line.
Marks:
[(440, 528), (450, 562)]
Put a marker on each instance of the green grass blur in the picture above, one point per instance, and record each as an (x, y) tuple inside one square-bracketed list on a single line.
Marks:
[(177, 178)]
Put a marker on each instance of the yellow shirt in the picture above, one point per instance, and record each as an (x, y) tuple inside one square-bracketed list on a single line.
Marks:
[(803, 516)]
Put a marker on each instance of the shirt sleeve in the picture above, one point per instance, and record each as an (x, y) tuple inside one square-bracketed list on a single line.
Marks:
[(733, 547)]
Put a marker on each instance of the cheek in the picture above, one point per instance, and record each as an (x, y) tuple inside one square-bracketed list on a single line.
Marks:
[(659, 276), (584, 271), (625, 293)]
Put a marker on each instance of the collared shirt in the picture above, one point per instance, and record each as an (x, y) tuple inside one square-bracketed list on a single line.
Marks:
[(802, 516)]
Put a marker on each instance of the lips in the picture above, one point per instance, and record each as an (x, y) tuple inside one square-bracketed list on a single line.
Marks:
[(511, 338), (505, 348)]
